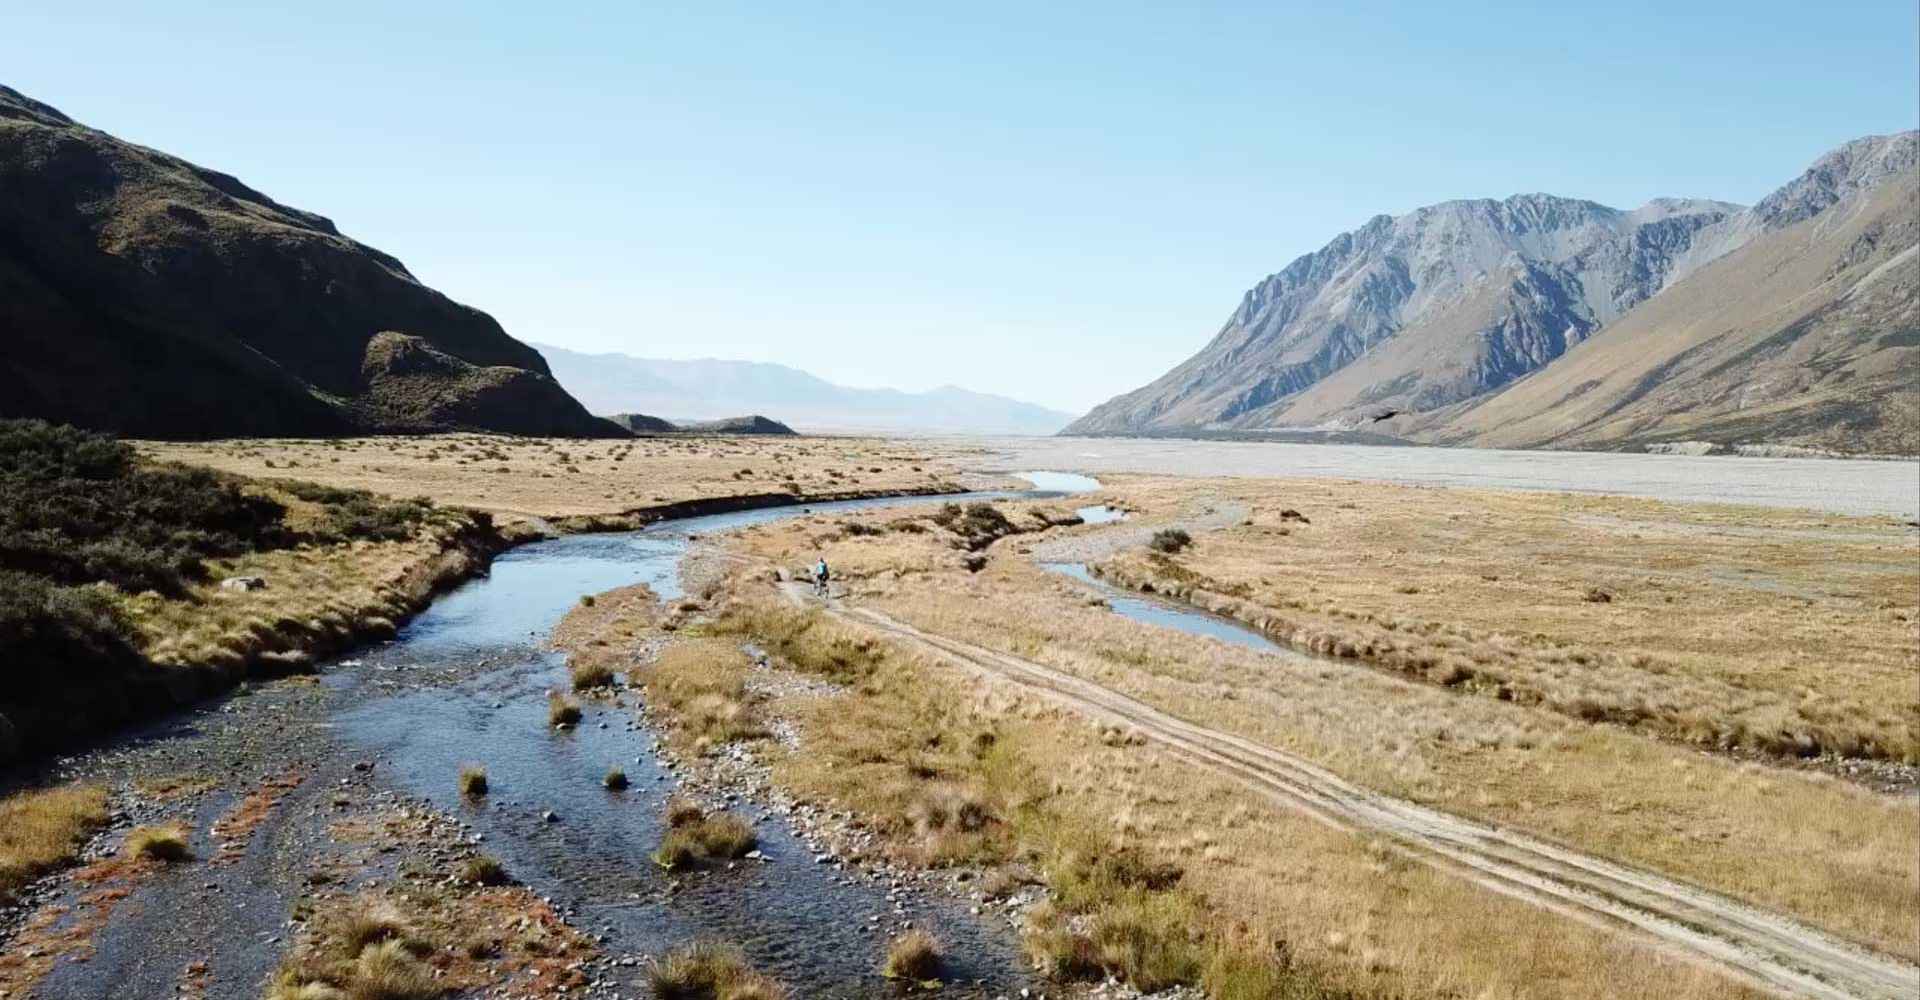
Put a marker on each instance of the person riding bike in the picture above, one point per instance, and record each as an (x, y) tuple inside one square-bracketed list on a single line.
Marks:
[(820, 577)]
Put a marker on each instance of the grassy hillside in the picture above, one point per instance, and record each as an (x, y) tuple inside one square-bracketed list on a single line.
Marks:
[(95, 541)]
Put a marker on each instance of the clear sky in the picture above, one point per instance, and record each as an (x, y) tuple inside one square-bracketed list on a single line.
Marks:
[(1054, 201)]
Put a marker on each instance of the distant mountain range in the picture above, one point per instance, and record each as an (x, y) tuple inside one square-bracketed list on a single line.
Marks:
[(145, 295), (710, 389), (1541, 321)]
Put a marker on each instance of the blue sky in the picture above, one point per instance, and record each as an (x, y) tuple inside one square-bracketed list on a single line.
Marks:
[(1053, 201)]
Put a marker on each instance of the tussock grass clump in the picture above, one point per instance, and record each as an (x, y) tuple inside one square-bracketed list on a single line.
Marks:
[(473, 780), (391, 970), (684, 812), (562, 711), (707, 970), (725, 835), (912, 955), (1170, 540), (484, 870), (159, 843), (589, 675), (45, 828), (615, 780), (693, 833)]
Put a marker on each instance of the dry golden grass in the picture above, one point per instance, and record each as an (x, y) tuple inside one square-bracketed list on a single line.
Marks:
[(1786, 632), (1164, 872), (1828, 852), (43, 829), (708, 970), (912, 954), (562, 711), (701, 684), (693, 833), (323, 595), (465, 938), (556, 477), (158, 843)]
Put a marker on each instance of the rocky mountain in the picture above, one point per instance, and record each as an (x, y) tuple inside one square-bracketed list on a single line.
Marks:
[(1808, 334), (1420, 325), (710, 389), (148, 296)]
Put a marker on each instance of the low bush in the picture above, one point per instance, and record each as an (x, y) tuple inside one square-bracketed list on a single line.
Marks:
[(473, 780), (1170, 540), (615, 780)]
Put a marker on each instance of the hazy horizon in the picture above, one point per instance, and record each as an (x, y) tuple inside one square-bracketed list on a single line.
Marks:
[(1050, 205)]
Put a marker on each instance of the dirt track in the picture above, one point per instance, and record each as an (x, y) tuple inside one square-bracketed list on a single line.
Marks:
[(1770, 951)]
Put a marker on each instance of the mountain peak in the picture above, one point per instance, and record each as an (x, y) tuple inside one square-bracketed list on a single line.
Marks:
[(1451, 302)]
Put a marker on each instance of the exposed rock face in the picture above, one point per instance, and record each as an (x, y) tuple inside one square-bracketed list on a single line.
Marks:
[(148, 296), (1425, 316), (1808, 335)]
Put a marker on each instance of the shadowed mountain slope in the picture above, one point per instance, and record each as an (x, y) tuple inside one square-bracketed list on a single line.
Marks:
[(148, 296)]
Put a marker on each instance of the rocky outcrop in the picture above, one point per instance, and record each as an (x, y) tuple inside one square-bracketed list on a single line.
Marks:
[(1416, 326), (1419, 311), (148, 296)]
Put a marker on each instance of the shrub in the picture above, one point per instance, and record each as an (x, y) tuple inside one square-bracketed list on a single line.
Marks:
[(473, 780), (78, 507), (912, 955), (159, 843), (1170, 540), (615, 780)]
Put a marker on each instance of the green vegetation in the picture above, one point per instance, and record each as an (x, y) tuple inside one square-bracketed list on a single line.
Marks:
[(85, 524), (473, 780), (78, 507)]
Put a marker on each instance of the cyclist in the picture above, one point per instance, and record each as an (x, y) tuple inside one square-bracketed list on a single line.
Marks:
[(820, 577)]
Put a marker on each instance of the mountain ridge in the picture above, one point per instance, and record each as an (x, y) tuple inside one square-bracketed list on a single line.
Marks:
[(1432, 311), (710, 388), (153, 297)]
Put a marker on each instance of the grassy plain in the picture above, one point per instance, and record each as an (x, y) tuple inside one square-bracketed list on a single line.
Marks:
[(559, 477), (1832, 853), (1783, 632)]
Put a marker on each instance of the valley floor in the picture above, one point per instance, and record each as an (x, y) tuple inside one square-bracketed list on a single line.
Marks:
[(1717, 696)]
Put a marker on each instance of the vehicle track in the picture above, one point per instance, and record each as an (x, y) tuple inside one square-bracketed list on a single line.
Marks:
[(1767, 950)]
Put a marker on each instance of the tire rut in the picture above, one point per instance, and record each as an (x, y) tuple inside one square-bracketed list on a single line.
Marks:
[(1767, 950)]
